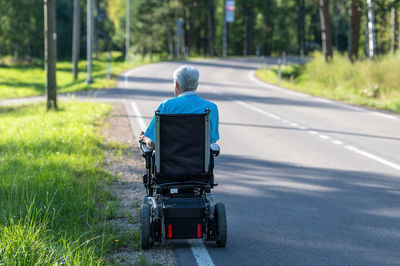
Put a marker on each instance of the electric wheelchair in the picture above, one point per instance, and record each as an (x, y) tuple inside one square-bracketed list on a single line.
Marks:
[(178, 182)]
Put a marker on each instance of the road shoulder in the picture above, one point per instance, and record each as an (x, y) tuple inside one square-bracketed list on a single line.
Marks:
[(125, 162)]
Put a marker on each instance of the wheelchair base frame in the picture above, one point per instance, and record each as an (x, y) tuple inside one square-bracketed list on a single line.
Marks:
[(175, 216), (180, 210)]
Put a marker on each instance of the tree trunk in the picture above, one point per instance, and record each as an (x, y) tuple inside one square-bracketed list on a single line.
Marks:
[(95, 28), (127, 31), (315, 31), (151, 48), (354, 35), (211, 28), (300, 27), (395, 28), (249, 31), (76, 39), (191, 26), (371, 40), (50, 52), (269, 28), (335, 23), (170, 41), (326, 29), (249, 23), (16, 53)]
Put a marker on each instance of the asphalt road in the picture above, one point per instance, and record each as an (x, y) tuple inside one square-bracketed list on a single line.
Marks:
[(306, 181)]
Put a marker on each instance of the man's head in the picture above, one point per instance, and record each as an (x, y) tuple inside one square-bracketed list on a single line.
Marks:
[(186, 78)]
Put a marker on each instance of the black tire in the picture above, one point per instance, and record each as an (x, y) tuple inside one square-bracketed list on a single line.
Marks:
[(145, 227), (220, 219)]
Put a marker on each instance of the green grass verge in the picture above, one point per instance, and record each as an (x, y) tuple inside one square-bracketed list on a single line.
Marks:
[(29, 80), (53, 200), (369, 83)]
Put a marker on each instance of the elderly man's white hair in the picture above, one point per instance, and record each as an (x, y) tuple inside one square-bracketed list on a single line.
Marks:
[(187, 77)]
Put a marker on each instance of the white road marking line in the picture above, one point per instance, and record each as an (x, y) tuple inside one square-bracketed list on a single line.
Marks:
[(217, 92), (258, 110), (374, 157), (273, 87), (139, 116), (130, 72), (200, 253), (322, 100), (337, 142), (384, 115), (294, 124), (303, 128)]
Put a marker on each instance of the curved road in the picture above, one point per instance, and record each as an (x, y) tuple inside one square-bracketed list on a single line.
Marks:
[(306, 181)]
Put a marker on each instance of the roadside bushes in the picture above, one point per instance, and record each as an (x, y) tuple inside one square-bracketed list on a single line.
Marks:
[(371, 83)]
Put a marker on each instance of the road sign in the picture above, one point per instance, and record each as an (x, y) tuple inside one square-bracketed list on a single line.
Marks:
[(230, 11)]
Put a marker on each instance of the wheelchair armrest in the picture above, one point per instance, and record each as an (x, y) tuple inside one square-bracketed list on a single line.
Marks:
[(146, 151), (214, 147)]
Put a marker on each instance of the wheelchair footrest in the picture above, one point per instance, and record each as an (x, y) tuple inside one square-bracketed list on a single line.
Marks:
[(184, 218)]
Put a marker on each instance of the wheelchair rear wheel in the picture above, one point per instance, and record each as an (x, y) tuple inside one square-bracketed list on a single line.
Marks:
[(220, 218), (145, 226)]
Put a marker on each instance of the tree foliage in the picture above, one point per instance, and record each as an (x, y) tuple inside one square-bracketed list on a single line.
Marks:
[(270, 26)]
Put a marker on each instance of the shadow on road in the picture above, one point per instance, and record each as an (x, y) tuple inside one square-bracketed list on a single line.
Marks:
[(314, 129), (314, 215)]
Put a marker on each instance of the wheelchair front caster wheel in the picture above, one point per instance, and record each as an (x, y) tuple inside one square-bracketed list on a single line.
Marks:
[(220, 218), (145, 227)]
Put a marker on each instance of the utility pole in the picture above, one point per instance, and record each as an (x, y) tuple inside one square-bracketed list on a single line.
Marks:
[(224, 43), (89, 40), (395, 28), (127, 31), (371, 30), (50, 52), (76, 38)]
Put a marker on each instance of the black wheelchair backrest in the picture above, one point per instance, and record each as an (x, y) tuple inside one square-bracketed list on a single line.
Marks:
[(182, 147)]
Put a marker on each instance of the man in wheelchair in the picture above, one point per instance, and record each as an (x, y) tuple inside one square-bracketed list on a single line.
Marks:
[(179, 148)]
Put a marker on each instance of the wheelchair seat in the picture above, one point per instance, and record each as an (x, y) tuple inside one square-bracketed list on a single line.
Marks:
[(179, 178)]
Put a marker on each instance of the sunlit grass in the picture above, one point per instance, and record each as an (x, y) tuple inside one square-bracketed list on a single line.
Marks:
[(371, 83), (29, 80), (52, 192)]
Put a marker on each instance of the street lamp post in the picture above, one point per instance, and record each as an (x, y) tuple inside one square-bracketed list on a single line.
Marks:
[(229, 16)]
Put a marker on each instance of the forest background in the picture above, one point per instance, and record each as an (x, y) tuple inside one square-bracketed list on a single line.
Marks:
[(265, 27)]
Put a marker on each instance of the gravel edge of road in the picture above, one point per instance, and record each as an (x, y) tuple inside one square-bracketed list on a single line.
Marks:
[(124, 161)]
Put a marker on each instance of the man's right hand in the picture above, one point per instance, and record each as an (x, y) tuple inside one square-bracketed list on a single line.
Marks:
[(149, 143)]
